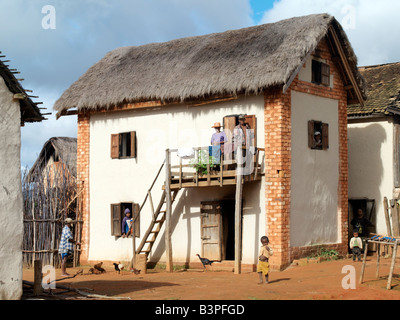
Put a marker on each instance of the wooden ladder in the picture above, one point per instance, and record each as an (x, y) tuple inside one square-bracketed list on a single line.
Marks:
[(156, 223)]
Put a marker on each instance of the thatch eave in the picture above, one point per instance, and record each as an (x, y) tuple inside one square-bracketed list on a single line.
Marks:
[(245, 61)]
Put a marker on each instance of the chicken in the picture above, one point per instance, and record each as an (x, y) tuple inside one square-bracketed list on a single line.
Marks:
[(135, 271), (94, 271), (98, 269), (98, 265), (205, 261), (118, 267)]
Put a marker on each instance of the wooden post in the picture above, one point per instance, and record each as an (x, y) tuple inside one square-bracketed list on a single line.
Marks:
[(389, 284), (378, 257), (168, 243), (364, 262), (37, 284), (387, 218), (238, 217), (395, 220)]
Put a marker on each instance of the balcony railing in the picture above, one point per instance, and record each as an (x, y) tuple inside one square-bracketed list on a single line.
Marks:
[(196, 167)]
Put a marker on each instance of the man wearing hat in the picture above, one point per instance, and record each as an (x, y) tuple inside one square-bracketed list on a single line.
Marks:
[(66, 245), (240, 133), (243, 137)]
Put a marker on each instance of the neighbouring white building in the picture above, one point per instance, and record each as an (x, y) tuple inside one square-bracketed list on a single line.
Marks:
[(374, 150), (16, 108)]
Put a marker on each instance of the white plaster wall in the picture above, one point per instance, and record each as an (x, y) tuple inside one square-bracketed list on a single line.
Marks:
[(11, 224), (315, 174), (116, 181), (371, 164)]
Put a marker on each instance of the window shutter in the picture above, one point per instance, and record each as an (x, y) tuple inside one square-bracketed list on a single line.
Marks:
[(325, 136), (114, 146), (116, 221), (311, 134), (133, 144), (325, 74), (136, 219)]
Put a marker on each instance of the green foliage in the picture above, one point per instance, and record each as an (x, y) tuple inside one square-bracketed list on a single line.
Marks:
[(201, 162), (327, 254)]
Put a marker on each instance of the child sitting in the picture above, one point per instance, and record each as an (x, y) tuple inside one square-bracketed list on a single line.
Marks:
[(263, 264), (356, 246)]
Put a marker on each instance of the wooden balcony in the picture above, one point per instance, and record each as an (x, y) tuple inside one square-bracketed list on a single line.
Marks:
[(184, 175)]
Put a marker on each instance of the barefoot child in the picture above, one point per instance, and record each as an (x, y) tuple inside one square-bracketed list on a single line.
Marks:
[(263, 265), (356, 246)]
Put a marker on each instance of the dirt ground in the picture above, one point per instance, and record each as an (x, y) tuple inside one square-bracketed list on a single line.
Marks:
[(321, 281)]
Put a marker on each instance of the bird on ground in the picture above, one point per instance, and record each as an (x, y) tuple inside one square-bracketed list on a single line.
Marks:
[(135, 271), (98, 269), (205, 261), (98, 265), (118, 267)]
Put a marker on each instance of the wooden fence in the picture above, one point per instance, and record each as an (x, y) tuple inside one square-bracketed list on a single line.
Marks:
[(50, 195)]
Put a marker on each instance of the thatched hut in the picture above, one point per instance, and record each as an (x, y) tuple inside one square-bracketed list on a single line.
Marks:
[(291, 78), (16, 108), (58, 156)]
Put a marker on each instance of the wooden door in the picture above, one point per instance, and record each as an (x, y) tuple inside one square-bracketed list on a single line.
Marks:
[(211, 230)]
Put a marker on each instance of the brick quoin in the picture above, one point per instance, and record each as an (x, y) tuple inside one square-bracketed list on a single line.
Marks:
[(277, 115), (83, 149)]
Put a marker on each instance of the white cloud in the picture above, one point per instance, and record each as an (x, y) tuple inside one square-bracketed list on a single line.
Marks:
[(376, 27), (51, 60)]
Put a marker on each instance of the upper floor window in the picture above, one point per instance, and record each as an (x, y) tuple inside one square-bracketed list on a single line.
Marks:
[(123, 145), (321, 73)]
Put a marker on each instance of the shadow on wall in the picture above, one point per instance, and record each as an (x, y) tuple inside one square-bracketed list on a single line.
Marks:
[(184, 207), (366, 163)]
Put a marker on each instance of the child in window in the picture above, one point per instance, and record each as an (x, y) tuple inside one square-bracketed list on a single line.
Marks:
[(125, 224)]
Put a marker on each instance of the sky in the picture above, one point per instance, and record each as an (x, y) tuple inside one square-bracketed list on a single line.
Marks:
[(53, 42)]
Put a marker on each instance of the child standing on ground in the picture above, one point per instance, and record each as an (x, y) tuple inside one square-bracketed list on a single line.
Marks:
[(263, 258), (356, 246)]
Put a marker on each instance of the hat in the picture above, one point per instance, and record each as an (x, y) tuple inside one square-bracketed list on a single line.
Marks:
[(127, 211), (317, 133), (68, 220), (242, 116), (217, 125)]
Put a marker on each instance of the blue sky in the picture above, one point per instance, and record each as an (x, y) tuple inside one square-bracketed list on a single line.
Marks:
[(50, 60), (259, 7)]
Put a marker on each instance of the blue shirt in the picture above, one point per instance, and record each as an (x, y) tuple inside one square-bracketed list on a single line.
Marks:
[(65, 245)]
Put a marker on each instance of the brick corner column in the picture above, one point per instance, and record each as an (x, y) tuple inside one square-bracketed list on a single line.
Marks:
[(83, 147), (277, 115)]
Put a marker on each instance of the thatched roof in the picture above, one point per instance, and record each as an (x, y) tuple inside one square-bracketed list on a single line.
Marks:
[(29, 110), (244, 61), (383, 85), (61, 149)]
